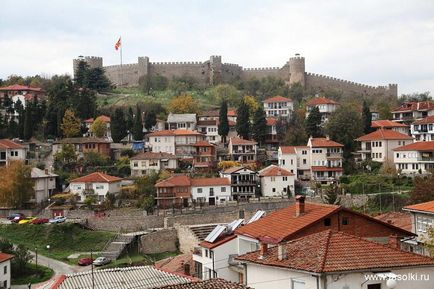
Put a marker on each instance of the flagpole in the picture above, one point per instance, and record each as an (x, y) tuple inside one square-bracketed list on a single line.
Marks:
[(122, 72)]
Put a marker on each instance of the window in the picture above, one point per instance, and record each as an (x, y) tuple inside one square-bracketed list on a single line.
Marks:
[(5, 284), (211, 192), (198, 269), (99, 187), (199, 190), (285, 178), (5, 270), (274, 190), (206, 253), (327, 222), (304, 161), (135, 164), (345, 221), (223, 189), (298, 284)]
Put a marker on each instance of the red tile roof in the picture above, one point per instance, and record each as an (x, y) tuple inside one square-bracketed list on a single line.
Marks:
[(322, 142), (175, 181), (326, 169), (413, 105), (203, 182), (277, 99), (215, 283), (240, 141), (331, 251), (104, 118), (221, 240), (153, 156), (18, 87), (426, 120), (320, 100), (398, 219), (271, 121), (4, 257), (8, 144), (232, 112), (175, 264), (384, 134), (385, 123), (422, 146), (174, 132), (427, 207), (96, 177), (272, 171), (203, 143), (288, 149)]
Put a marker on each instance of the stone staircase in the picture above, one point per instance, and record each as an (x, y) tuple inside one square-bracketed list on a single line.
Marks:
[(116, 246), (202, 231)]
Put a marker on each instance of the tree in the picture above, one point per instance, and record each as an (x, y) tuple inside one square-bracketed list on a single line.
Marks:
[(313, 123), (150, 120), (138, 125), (423, 190), (252, 104), (223, 127), (243, 121), (70, 124), (366, 118), (99, 127), (428, 241), (16, 185), (21, 259), (97, 80), (259, 127), (84, 103), (28, 123), (296, 91), (183, 104), (66, 159), (332, 195), (384, 110), (130, 119), (81, 74), (225, 92), (118, 126)]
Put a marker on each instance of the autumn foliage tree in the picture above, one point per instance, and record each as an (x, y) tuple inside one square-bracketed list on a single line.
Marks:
[(183, 104), (423, 190), (70, 124), (99, 127), (16, 185)]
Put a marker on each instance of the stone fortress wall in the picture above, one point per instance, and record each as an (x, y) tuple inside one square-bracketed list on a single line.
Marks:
[(214, 71)]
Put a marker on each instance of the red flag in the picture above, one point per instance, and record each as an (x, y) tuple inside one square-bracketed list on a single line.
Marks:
[(118, 44)]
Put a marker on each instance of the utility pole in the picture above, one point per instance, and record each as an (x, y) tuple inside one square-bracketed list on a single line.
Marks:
[(93, 280)]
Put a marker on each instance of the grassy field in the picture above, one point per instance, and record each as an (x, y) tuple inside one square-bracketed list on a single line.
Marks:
[(33, 275), (64, 239)]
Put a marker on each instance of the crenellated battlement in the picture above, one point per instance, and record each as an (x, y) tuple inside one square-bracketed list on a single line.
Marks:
[(178, 63), (123, 66), (261, 68)]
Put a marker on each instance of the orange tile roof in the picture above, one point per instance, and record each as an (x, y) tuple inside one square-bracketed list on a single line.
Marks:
[(233, 169), (426, 120), (175, 264), (240, 141), (8, 144), (385, 123), (203, 143), (104, 118), (331, 251), (96, 177), (413, 106), (322, 142), (422, 146), (215, 283), (221, 240), (272, 171), (4, 257), (384, 134), (326, 169), (17, 87), (277, 98), (175, 181), (288, 149), (174, 132), (398, 219), (320, 100), (232, 112), (203, 182), (153, 156), (271, 121), (427, 207)]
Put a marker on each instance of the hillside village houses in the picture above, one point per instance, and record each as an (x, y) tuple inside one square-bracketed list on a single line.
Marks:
[(244, 182), (271, 139), (412, 111), (392, 125), (414, 158), (23, 93), (5, 270), (276, 181), (182, 121), (423, 129), (95, 184), (211, 191), (179, 142), (278, 106), (45, 184), (326, 107), (150, 162), (89, 122), (84, 145), (242, 150), (205, 156), (11, 151)]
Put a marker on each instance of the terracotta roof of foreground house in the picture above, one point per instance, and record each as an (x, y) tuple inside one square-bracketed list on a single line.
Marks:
[(4, 257), (331, 251), (220, 240), (153, 156), (8, 144), (273, 170), (427, 207), (18, 87), (271, 121), (322, 142), (384, 134), (175, 181), (422, 146), (426, 120), (386, 124), (174, 132), (234, 169), (288, 149), (398, 219), (277, 98), (203, 182), (96, 177), (240, 141), (104, 118), (280, 225), (320, 100), (414, 105), (175, 264), (215, 283)]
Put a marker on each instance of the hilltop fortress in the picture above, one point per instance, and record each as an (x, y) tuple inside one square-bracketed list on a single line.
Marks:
[(214, 71)]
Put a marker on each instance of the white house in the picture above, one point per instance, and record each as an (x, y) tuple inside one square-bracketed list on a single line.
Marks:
[(326, 159), (412, 110), (242, 150), (276, 182), (390, 124), (378, 145), (45, 184), (179, 142), (423, 130), (95, 184), (271, 139), (278, 106), (210, 129), (11, 151), (182, 121), (89, 122), (243, 181), (287, 158), (326, 107), (5, 270), (146, 163), (414, 158), (335, 260), (212, 191)]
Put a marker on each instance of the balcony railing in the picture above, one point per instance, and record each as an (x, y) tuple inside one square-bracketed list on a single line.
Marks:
[(334, 155), (425, 159)]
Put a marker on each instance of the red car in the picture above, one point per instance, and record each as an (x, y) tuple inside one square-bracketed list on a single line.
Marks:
[(39, 221), (85, 261)]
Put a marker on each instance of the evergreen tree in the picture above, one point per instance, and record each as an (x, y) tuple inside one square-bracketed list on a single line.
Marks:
[(28, 123), (150, 120), (243, 121), (118, 125), (97, 80), (296, 134), (20, 111), (130, 119), (138, 125), (259, 127), (81, 74), (84, 103), (313, 123), (223, 128), (366, 118)]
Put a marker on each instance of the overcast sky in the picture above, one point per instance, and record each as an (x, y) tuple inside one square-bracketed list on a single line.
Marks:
[(373, 42)]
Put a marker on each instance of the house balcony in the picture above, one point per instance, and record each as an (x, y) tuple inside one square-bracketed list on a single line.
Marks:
[(244, 152), (425, 159), (334, 155)]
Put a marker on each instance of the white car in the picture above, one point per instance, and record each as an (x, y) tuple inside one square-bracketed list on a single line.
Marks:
[(100, 261), (57, 219)]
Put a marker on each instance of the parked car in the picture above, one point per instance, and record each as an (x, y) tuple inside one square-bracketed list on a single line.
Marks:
[(100, 261), (15, 215), (26, 220), (39, 221), (57, 219), (17, 219), (85, 261)]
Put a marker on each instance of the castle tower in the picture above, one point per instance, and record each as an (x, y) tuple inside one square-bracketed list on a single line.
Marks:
[(92, 61), (215, 65), (143, 66), (393, 89), (297, 70)]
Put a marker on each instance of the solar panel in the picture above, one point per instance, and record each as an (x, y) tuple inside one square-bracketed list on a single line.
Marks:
[(256, 216), (234, 224), (218, 230)]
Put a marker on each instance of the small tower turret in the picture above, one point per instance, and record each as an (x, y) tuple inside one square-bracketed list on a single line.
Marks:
[(297, 70)]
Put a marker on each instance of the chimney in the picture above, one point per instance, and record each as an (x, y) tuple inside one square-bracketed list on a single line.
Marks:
[(394, 242), (186, 268), (281, 252), (299, 205), (46, 171), (263, 250)]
